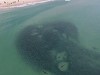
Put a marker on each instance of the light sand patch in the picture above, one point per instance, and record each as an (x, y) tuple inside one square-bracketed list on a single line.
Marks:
[(63, 66), (61, 56), (45, 72)]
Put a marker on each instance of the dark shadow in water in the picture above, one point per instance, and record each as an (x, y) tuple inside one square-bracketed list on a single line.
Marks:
[(36, 45)]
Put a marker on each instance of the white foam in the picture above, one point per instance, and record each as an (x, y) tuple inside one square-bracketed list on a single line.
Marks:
[(32, 3), (28, 4), (67, 0)]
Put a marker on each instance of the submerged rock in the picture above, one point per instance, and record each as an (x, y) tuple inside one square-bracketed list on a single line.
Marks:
[(64, 28), (48, 47)]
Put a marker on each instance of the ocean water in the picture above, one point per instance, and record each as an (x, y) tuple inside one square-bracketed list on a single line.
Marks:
[(85, 15)]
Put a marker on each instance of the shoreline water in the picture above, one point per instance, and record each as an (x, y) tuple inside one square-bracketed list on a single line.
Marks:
[(24, 4)]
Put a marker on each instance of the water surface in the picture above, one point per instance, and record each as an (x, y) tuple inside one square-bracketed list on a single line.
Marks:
[(85, 15)]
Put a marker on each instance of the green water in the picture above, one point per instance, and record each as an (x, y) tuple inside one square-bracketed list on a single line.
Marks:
[(84, 15)]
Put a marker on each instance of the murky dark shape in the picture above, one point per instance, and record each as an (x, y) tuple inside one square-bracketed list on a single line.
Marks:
[(36, 45)]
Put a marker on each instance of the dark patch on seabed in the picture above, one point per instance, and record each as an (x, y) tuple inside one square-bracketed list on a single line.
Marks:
[(40, 45)]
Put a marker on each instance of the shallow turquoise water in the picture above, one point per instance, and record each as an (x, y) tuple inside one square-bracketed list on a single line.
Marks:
[(84, 15)]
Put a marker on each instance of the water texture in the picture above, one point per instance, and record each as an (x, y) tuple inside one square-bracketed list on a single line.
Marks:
[(58, 28)]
